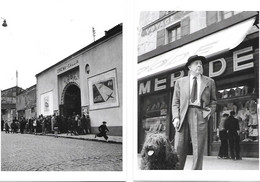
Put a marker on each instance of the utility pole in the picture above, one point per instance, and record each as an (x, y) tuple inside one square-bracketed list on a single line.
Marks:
[(94, 33), (16, 78)]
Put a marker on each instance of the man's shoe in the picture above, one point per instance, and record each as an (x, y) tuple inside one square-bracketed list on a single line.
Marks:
[(219, 157)]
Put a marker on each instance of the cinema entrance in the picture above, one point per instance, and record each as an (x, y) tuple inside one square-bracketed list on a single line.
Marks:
[(71, 100)]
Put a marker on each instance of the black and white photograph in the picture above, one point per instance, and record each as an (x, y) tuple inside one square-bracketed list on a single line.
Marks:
[(198, 90), (129, 90), (61, 85)]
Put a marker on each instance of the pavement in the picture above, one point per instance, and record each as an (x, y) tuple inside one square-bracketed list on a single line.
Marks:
[(29, 152), (90, 137), (213, 163)]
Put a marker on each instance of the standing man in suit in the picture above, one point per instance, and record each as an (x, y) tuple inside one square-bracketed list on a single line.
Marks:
[(193, 103)]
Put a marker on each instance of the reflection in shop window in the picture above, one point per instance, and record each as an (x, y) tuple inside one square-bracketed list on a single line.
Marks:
[(155, 113)]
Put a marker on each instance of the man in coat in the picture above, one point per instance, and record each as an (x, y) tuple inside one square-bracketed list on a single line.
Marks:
[(193, 103), (232, 127)]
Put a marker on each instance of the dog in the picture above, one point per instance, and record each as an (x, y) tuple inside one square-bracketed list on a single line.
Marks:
[(158, 153)]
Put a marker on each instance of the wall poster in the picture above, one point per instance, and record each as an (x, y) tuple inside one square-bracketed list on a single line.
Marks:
[(103, 92), (47, 104)]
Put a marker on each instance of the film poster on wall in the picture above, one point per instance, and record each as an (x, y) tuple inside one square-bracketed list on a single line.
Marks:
[(47, 104), (103, 90)]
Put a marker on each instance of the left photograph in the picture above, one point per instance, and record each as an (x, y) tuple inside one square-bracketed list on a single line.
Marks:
[(61, 86)]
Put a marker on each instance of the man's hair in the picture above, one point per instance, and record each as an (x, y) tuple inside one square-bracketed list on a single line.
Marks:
[(225, 115), (232, 113)]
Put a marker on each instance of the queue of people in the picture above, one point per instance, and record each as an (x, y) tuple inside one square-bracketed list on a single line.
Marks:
[(229, 136), (75, 125)]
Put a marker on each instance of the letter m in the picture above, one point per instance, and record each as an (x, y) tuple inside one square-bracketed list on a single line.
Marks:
[(144, 88)]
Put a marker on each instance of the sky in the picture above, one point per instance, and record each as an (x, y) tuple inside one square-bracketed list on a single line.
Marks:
[(41, 33)]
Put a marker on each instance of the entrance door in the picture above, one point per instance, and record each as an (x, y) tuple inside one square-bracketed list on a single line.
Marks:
[(72, 101)]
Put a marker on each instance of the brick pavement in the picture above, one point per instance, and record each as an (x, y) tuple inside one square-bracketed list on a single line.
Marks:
[(25, 152)]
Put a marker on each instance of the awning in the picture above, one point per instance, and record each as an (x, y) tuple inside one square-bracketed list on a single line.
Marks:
[(208, 46)]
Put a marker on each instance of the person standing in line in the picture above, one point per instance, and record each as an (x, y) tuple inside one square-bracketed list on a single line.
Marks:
[(6, 127), (2, 124), (22, 125), (223, 150), (43, 125), (84, 124), (34, 122), (232, 126), (103, 131), (53, 120), (88, 127), (69, 126), (55, 125), (193, 103)]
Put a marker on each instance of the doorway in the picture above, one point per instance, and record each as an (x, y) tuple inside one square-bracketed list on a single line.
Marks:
[(72, 101)]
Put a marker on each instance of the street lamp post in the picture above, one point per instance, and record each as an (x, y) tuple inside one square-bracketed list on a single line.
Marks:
[(4, 22)]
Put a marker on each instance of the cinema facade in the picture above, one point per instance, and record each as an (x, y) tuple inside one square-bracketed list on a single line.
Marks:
[(229, 41), (86, 82)]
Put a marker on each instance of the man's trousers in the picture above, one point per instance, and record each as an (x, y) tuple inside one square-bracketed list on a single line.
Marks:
[(195, 126)]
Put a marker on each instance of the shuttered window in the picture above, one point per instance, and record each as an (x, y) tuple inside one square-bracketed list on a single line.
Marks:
[(212, 17), (160, 37)]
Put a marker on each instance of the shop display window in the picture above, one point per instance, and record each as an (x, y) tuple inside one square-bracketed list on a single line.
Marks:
[(246, 112), (154, 113), (235, 92)]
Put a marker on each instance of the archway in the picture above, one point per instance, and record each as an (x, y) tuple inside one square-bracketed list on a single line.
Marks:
[(72, 100)]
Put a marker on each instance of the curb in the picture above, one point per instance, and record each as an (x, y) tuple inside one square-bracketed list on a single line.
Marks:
[(82, 138)]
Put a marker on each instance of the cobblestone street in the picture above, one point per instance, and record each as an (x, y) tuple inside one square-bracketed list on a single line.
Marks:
[(25, 152)]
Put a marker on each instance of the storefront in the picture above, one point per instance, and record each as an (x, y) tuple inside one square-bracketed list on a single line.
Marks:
[(234, 67), (87, 82)]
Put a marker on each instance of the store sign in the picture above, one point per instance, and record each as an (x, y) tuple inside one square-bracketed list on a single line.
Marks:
[(159, 25), (68, 66), (242, 59)]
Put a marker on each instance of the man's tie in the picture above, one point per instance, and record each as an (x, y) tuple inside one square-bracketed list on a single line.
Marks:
[(194, 90)]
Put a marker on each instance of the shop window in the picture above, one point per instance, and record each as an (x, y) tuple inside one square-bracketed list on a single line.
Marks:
[(155, 111), (174, 33), (243, 101), (246, 113), (235, 92)]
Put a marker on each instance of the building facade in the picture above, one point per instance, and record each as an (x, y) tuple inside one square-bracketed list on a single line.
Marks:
[(86, 82), (8, 103), (26, 103), (230, 42)]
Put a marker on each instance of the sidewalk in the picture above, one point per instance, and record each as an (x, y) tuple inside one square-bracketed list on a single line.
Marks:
[(213, 163), (91, 137)]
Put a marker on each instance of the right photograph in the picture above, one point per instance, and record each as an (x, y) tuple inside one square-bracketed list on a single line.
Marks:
[(198, 90)]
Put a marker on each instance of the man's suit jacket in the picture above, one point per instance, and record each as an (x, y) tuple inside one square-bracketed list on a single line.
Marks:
[(181, 97)]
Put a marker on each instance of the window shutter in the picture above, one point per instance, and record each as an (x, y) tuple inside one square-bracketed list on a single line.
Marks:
[(185, 26), (160, 37), (211, 17)]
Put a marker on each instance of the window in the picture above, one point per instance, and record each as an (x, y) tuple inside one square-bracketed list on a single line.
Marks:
[(226, 14), (174, 33), (217, 16)]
